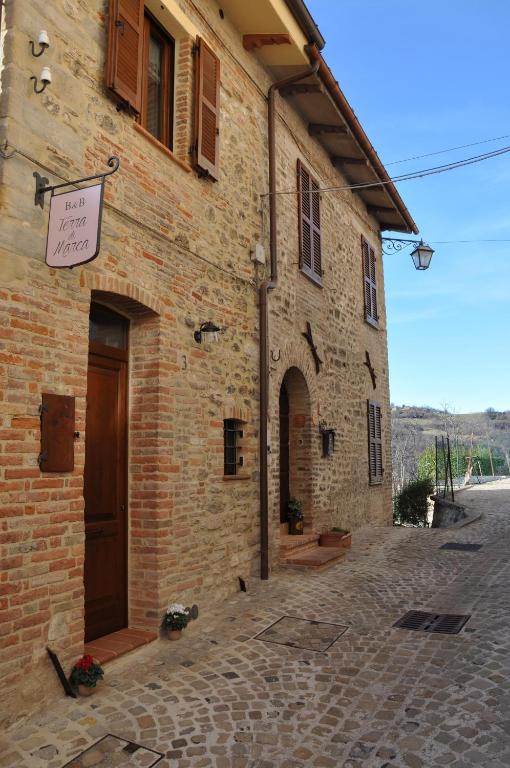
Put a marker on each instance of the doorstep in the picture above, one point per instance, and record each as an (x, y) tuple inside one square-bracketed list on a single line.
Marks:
[(312, 557), (118, 643)]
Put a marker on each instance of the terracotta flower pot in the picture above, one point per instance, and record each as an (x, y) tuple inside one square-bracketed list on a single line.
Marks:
[(174, 634), (335, 539), (86, 690)]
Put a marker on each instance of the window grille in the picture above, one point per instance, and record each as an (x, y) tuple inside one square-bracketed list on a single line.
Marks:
[(232, 435)]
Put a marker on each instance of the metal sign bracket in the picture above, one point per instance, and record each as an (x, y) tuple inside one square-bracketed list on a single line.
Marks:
[(41, 182)]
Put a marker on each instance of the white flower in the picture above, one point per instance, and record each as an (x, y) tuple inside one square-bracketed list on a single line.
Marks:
[(176, 608)]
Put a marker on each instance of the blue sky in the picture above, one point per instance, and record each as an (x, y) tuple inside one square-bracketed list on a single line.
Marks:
[(424, 77)]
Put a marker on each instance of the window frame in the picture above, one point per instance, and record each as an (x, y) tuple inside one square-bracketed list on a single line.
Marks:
[(235, 430), (152, 27)]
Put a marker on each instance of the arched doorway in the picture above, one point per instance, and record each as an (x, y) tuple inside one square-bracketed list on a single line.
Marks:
[(295, 455), (105, 481), (284, 453)]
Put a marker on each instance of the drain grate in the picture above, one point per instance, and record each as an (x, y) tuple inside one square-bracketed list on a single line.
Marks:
[(422, 621), (114, 751), (302, 633), (457, 546)]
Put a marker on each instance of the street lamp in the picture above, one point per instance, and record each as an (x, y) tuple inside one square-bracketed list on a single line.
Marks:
[(421, 254)]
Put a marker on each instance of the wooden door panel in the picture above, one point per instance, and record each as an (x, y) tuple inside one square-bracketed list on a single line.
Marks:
[(102, 441), (105, 497)]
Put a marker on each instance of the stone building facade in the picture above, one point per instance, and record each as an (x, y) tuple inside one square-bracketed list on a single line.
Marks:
[(179, 248)]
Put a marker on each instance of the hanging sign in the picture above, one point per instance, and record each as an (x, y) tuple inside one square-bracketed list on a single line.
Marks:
[(74, 227)]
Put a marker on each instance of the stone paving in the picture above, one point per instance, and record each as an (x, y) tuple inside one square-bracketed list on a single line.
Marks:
[(378, 697)]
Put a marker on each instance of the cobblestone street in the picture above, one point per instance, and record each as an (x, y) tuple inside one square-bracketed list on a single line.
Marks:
[(369, 696)]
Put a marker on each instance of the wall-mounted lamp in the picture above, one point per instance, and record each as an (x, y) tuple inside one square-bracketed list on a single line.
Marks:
[(209, 331), (328, 439), (44, 77), (44, 42), (421, 254)]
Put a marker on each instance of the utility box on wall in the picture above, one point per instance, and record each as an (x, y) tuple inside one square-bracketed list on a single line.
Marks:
[(57, 433)]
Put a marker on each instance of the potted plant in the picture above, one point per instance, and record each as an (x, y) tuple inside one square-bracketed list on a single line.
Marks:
[(176, 619), (336, 537), (295, 516), (85, 675)]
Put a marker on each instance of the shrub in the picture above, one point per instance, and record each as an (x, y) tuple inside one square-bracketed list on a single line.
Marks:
[(410, 506)]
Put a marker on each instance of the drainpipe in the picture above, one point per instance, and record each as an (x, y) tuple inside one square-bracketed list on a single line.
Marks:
[(269, 285)]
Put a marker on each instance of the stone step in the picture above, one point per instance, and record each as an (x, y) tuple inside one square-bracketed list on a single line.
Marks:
[(290, 543), (313, 558)]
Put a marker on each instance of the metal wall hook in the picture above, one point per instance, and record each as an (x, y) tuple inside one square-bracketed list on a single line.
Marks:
[(44, 84), (44, 77), (44, 42)]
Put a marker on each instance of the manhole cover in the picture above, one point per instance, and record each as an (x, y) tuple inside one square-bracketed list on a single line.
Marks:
[(302, 633), (446, 623), (114, 751), (457, 546)]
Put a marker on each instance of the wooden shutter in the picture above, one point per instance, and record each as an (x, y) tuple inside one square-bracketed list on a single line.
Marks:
[(125, 44), (375, 465), (207, 110), (369, 282), (310, 244), (57, 433)]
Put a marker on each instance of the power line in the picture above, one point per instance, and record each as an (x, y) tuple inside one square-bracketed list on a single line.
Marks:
[(160, 235), (403, 177), (451, 149), (452, 242)]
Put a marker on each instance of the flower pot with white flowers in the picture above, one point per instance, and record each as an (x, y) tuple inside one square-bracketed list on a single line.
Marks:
[(176, 619)]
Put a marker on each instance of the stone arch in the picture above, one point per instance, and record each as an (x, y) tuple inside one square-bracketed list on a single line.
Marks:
[(129, 298), (299, 452)]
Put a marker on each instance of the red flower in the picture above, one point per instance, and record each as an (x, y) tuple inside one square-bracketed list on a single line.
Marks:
[(85, 662)]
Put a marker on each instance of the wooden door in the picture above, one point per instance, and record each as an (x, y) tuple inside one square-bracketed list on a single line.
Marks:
[(284, 453), (105, 492)]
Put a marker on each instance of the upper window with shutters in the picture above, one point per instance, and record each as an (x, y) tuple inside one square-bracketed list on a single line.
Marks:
[(141, 73), (310, 239), (369, 283)]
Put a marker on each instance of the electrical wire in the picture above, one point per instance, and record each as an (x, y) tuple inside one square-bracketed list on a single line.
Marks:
[(160, 235), (451, 149), (403, 177)]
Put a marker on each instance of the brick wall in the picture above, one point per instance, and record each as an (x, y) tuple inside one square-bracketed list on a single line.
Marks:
[(175, 252)]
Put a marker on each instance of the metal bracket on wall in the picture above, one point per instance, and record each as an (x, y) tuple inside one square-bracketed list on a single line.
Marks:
[(371, 369), (309, 337), (41, 182)]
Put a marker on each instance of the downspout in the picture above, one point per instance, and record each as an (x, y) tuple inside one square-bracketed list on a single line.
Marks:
[(269, 285)]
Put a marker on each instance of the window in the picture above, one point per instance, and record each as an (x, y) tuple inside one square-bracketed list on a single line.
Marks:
[(369, 283), (232, 434), (156, 113), (107, 327), (140, 74), (375, 467), (310, 245)]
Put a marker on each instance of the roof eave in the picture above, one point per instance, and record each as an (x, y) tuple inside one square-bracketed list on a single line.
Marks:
[(304, 18), (359, 134)]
